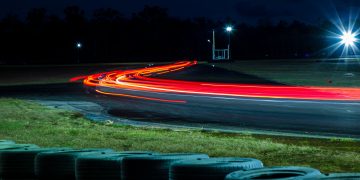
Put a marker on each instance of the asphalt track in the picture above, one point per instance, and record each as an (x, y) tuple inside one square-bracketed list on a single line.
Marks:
[(304, 117), (329, 118)]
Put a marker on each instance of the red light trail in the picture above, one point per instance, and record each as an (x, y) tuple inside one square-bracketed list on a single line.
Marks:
[(142, 80)]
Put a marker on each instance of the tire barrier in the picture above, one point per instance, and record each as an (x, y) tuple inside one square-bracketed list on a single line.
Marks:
[(286, 172), (19, 163), (338, 176), (210, 169), (153, 167), (61, 165), (30, 162), (6, 147), (103, 166), (6, 142)]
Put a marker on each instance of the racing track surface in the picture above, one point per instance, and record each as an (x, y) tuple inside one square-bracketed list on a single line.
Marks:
[(334, 112)]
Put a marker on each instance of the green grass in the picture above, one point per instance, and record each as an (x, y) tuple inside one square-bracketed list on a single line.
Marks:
[(300, 72), (22, 121), (52, 74)]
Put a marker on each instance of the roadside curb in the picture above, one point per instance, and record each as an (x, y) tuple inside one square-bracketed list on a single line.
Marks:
[(97, 113)]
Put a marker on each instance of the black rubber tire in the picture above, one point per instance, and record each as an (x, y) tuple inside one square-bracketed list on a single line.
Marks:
[(8, 147), (339, 176), (61, 165), (210, 169), (281, 172), (152, 167), (19, 163), (6, 142), (19, 179), (103, 166)]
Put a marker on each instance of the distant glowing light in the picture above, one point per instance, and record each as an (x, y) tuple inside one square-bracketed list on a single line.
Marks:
[(78, 45), (348, 38), (229, 29), (345, 35)]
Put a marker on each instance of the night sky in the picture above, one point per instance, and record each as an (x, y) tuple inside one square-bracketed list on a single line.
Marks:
[(240, 10)]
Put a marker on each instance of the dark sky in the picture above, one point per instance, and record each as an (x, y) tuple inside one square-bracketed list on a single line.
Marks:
[(242, 10)]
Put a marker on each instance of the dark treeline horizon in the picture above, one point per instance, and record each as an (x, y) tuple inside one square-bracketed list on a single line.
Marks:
[(148, 35)]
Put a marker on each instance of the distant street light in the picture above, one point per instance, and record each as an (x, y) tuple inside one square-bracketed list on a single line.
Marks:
[(229, 29), (78, 47), (348, 38), (221, 54)]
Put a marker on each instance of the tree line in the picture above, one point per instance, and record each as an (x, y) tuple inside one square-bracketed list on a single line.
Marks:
[(149, 35)]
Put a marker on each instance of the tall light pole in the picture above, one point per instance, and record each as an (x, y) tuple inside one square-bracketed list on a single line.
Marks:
[(78, 47), (229, 29), (221, 54), (213, 44)]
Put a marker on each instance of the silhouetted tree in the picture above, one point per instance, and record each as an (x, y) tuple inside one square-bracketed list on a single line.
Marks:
[(36, 17), (12, 35), (74, 15), (150, 34), (107, 16)]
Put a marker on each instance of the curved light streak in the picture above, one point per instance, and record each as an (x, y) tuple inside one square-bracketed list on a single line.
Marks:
[(143, 81), (140, 97)]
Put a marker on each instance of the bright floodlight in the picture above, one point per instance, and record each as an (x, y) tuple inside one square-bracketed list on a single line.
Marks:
[(229, 29), (78, 45), (348, 38)]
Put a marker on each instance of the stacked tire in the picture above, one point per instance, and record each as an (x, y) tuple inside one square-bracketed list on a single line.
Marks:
[(30, 162), (8, 166), (103, 166), (153, 167), (211, 169), (9, 147), (20, 163), (61, 165), (2, 142), (338, 176), (288, 173)]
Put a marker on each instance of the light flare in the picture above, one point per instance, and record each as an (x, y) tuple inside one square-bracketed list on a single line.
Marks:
[(345, 35), (348, 38)]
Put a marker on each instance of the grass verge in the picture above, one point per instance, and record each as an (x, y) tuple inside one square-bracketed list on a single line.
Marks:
[(301, 72), (27, 122), (53, 74)]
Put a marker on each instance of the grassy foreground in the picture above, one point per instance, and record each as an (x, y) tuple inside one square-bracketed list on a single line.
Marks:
[(22, 121)]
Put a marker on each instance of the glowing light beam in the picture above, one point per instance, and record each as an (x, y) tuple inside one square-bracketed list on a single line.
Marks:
[(140, 80)]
